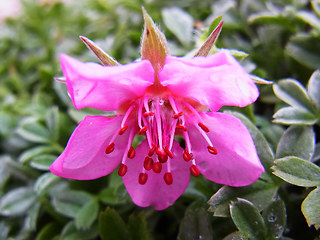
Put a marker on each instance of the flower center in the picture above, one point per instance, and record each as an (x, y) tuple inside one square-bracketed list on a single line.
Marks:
[(160, 118)]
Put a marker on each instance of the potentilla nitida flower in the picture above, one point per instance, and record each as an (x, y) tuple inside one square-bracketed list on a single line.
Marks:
[(160, 97)]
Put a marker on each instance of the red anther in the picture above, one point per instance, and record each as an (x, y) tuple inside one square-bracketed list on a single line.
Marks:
[(168, 152), (147, 114), (143, 130), (179, 126), (123, 129), (204, 127), (186, 155), (168, 178), (194, 170), (177, 115), (160, 151), (163, 158), (122, 170), (131, 152), (152, 150), (109, 148), (143, 177), (157, 167), (148, 163), (212, 150)]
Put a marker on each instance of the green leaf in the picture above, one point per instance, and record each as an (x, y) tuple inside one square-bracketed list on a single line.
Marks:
[(43, 162), (138, 227), (314, 88), (263, 149), (291, 115), (32, 218), (17, 201), (235, 236), (309, 18), (52, 121), (179, 22), (316, 6), (271, 18), (310, 208), (48, 231), (87, 214), (297, 171), (33, 131), (196, 222), (248, 219), (45, 181), (70, 232), (30, 153), (259, 193), (297, 141), (69, 203), (112, 226), (293, 93), (275, 218), (316, 155)]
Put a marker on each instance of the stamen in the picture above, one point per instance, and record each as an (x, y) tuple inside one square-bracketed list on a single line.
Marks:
[(123, 129), (148, 163), (204, 127), (179, 126), (158, 121), (157, 167), (163, 158), (148, 114), (177, 115), (109, 148), (168, 152), (143, 130), (212, 150), (186, 155), (168, 178), (194, 170), (131, 152), (140, 114), (122, 170), (152, 150), (143, 177), (127, 115)]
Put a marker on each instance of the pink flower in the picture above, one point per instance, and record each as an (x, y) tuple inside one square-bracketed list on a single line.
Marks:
[(160, 103)]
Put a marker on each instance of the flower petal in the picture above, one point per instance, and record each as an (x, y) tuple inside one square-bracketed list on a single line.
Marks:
[(214, 81), (105, 87), (237, 163), (84, 157), (155, 192)]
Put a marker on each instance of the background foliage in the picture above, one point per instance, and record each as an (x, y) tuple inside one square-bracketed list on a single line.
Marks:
[(278, 40)]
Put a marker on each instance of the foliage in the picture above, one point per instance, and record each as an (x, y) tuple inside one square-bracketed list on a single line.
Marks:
[(275, 40)]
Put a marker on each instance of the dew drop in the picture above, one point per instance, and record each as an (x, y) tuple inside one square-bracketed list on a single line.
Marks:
[(272, 218)]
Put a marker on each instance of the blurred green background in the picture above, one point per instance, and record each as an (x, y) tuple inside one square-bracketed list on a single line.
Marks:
[(273, 39)]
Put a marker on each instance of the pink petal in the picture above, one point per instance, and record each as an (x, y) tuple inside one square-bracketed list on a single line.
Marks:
[(84, 157), (237, 163), (105, 87), (214, 81), (155, 192)]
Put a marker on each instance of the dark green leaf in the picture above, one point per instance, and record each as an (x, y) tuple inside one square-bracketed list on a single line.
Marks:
[(310, 208), (314, 88), (87, 215), (138, 227), (235, 236), (297, 141), (112, 226), (48, 231), (52, 121), (260, 193), (17, 201), (275, 218), (292, 92), (195, 223), (297, 171), (248, 219), (70, 232), (290, 115)]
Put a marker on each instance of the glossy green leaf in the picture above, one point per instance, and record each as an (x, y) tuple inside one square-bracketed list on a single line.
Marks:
[(248, 219), (196, 222), (45, 181), (310, 208), (87, 214), (43, 162), (291, 115), (179, 22), (297, 141), (314, 88), (17, 201), (275, 218), (69, 203), (112, 226), (259, 193), (293, 93), (138, 227), (297, 171)]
